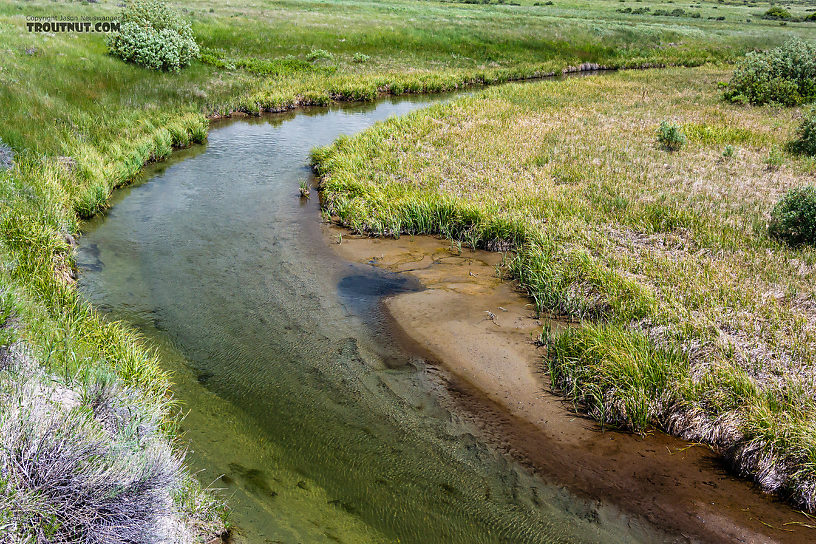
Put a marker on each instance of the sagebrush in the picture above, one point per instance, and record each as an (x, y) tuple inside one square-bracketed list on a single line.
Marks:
[(670, 136), (793, 219), (805, 141), (785, 75), (154, 36)]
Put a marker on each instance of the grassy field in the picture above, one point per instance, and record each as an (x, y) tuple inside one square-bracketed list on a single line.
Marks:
[(81, 123), (694, 320)]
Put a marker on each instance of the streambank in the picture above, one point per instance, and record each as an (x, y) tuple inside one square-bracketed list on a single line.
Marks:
[(321, 427), (482, 331)]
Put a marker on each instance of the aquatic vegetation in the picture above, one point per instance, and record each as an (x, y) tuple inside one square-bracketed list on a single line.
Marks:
[(304, 189)]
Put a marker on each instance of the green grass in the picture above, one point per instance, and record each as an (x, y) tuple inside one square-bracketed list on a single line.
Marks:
[(63, 96), (695, 321)]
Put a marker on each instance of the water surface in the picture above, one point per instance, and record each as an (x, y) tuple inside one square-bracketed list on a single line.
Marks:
[(322, 428)]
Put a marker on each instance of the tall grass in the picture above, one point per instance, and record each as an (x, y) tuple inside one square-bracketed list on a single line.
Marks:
[(693, 320)]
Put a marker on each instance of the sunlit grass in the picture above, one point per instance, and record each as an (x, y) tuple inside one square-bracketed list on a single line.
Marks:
[(695, 320)]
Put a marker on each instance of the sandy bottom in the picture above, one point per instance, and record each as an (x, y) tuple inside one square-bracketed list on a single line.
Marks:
[(481, 331)]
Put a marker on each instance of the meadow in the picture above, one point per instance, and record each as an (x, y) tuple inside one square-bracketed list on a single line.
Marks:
[(81, 123), (694, 320)]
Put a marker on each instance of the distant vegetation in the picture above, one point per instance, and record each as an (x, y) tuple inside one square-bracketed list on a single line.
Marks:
[(777, 12), (805, 141), (785, 75), (676, 12)]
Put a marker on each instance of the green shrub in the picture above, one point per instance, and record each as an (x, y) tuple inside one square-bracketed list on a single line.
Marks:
[(318, 55), (793, 219), (805, 141), (777, 12), (729, 151), (774, 159), (360, 58), (154, 36), (670, 136), (785, 75)]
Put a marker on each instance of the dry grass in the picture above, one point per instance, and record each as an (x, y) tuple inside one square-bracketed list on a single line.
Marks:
[(705, 326)]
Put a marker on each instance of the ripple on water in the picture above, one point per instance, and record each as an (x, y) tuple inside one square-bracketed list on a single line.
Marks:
[(323, 428)]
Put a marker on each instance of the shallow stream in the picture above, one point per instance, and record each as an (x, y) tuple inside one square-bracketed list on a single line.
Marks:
[(321, 425)]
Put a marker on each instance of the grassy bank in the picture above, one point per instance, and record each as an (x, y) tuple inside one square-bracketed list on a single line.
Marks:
[(81, 123), (695, 322)]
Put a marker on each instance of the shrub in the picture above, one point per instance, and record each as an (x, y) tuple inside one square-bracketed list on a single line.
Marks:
[(318, 55), (785, 75), (793, 219), (777, 12), (729, 151), (805, 141), (670, 136), (154, 36), (360, 58), (77, 472), (774, 159)]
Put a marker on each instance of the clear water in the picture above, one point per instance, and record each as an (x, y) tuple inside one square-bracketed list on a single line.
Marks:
[(322, 428)]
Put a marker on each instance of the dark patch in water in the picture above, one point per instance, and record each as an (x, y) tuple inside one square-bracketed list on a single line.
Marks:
[(376, 284), (87, 258), (344, 505), (255, 480), (204, 377)]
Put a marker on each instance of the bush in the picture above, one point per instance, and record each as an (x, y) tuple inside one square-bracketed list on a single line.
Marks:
[(316, 55), (793, 219), (805, 141), (154, 36), (86, 466), (670, 136), (774, 159), (777, 12), (785, 75), (360, 58)]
